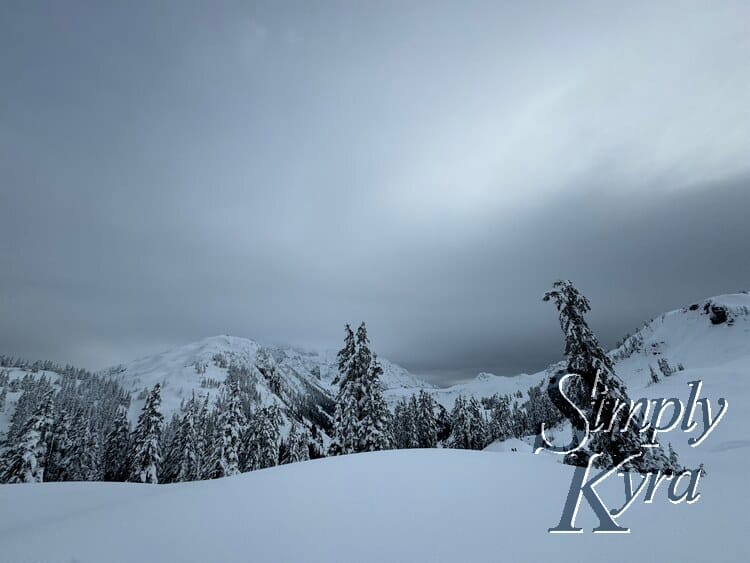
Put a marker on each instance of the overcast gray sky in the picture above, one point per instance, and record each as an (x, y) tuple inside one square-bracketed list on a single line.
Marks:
[(174, 170)]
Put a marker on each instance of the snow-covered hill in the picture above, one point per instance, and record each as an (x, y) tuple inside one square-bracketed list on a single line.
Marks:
[(706, 334), (403, 506)]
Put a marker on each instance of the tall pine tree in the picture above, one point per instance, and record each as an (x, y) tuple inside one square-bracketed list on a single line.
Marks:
[(144, 466), (426, 425), (375, 426), (231, 425), (116, 447)]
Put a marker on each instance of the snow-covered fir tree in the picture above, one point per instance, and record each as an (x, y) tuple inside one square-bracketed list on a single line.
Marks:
[(61, 448), (426, 425), (375, 425), (597, 392), (205, 433), (263, 439), (190, 444), (229, 432), (144, 466), (116, 447), (469, 429), (501, 424), (301, 451), (460, 437), (478, 425), (297, 445), (27, 458), (170, 450), (346, 416), (86, 452), (404, 424), (361, 419)]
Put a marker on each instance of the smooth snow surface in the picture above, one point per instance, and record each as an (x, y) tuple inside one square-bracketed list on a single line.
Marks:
[(410, 506)]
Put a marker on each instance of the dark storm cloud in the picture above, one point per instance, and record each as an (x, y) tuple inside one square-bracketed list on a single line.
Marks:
[(172, 172)]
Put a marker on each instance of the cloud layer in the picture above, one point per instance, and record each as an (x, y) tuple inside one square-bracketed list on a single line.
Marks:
[(172, 172)]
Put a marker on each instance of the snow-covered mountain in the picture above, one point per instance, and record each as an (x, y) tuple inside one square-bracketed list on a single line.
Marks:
[(283, 374), (711, 333)]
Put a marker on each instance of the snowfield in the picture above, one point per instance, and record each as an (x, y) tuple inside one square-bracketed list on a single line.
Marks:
[(409, 505)]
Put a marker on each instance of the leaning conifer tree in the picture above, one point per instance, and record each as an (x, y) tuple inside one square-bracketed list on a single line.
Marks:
[(598, 392), (144, 466)]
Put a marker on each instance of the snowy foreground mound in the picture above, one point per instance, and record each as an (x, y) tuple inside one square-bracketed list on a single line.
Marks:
[(409, 505)]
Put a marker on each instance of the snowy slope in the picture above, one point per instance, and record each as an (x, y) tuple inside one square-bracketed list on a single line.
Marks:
[(409, 505), (692, 337), (697, 336), (182, 370)]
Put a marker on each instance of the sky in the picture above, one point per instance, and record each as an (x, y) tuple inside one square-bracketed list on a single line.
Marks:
[(175, 170)]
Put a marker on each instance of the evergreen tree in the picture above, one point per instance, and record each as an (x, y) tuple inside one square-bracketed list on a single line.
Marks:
[(460, 437), (228, 442), (519, 421), (297, 445), (375, 426), (302, 450), (501, 426), (116, 447), (404, 425), (426, 425), (205, 438), (264, 439), (144, 467), (343, 440), (469, 430), (361, 418), (477, 424), (27, 457), (170, 449), (61, 449), (597, 392), (3, 394), (87, 453), (190, 444)]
